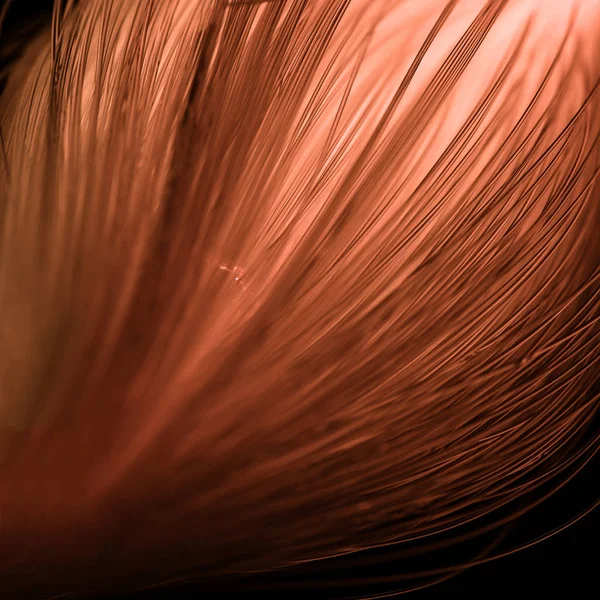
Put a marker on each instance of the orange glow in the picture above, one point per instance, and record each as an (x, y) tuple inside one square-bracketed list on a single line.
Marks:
[(286, 280)]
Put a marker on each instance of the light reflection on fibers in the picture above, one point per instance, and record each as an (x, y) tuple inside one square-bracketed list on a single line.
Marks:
[(283, 280)]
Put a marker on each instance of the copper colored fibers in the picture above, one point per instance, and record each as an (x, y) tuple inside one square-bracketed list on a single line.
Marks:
[(291, 279)]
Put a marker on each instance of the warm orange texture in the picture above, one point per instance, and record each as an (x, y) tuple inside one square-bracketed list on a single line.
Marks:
[(280, 280)]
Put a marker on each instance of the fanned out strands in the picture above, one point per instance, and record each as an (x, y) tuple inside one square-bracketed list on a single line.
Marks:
[(291, 279)]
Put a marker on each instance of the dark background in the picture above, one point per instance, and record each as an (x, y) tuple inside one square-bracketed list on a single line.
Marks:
[(569, 560)]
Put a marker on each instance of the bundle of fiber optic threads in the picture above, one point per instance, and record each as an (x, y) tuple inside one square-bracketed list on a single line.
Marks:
[(290, 279)]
